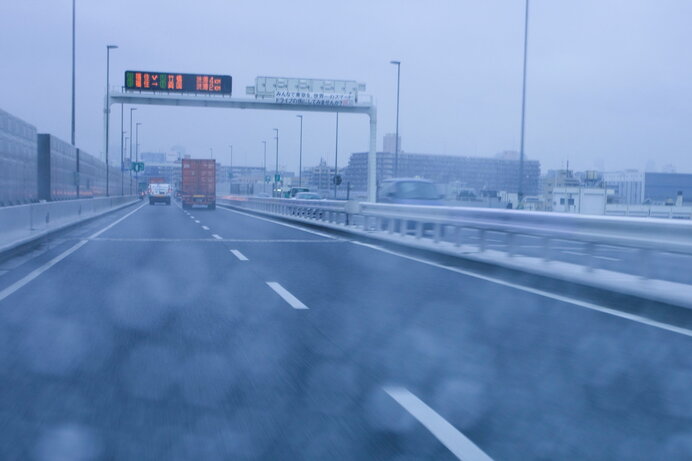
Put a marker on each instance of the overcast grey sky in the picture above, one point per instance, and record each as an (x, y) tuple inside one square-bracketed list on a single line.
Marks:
[(608, 80)]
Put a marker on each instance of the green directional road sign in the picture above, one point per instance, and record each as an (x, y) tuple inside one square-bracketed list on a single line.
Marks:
[(137, 166), (277, 178)]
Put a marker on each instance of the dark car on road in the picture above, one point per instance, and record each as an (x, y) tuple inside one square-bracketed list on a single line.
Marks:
[(407, 191)]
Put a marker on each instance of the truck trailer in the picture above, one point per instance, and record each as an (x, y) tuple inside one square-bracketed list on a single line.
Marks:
[(198, 183)]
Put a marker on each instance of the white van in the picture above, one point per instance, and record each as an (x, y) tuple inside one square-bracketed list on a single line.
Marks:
[(160, 193)]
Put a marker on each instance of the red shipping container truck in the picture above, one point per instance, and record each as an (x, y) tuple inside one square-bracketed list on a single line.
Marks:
[(198, 183)]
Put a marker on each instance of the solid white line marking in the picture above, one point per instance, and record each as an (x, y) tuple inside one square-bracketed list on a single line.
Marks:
[(546, 294), (576, 253), (216, 236), (239, 255), (279, 223), (36, 272), (205, 228), (608, 258), (197, 221), (455, 441), (288, 297), (96, 234), (306, 241)]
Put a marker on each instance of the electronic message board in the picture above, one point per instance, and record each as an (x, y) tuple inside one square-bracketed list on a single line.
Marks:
[(177, 83)]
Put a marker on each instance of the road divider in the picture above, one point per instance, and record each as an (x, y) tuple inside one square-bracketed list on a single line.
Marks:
[(36, 272), (23, 224)]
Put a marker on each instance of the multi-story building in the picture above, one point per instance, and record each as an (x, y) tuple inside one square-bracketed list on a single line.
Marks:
[(581, 200), (556, 179), (479, 173), (627, 186), (389, 143), (664, 187), (319, 178)]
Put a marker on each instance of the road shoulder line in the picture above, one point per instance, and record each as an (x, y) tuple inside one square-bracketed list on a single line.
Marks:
[(40, 270), (536, 291)]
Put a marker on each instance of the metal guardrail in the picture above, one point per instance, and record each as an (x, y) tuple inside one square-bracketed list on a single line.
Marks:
[(23, 223), (445, 225)]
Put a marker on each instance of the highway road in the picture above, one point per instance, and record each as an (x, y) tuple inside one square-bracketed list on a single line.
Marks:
[(160, 333)]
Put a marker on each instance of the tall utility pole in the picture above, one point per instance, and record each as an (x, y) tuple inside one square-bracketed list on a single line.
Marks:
[(122, 149), (300, 155), (276, 171), (336, 154), (396, 149), (108, 109), (131, 138), (137, 153), (73, 69), (264, 179), (523, 107)]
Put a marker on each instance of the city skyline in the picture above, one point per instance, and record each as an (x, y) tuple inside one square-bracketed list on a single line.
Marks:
[(604, 81)]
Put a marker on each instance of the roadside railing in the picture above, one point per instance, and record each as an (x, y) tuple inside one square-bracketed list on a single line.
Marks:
[(23, 223), (457, 227)]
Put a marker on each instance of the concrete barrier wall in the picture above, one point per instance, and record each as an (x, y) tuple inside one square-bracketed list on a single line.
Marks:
[(23, 223)]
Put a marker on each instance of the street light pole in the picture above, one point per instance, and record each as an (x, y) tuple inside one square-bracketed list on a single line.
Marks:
[(131, 110), (137, 153), (108, 109), (396, 149), (276, 171), (73, 72), (336, 155), (523, 107), (264, 179), (122, 149), (300, 156)]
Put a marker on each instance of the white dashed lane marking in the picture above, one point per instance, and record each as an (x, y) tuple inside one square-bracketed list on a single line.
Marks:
[(286, 295), (455, 441), (239, 255)]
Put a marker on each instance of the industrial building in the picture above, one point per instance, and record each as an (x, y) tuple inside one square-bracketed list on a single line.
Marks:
[(627, 186), (664, 187), (479, 173)]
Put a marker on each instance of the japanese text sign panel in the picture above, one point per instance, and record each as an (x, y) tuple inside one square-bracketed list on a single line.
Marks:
[(177, 83)]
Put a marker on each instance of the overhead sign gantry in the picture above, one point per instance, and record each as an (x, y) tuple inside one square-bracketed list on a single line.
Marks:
[(275, 94), (168, 82)]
